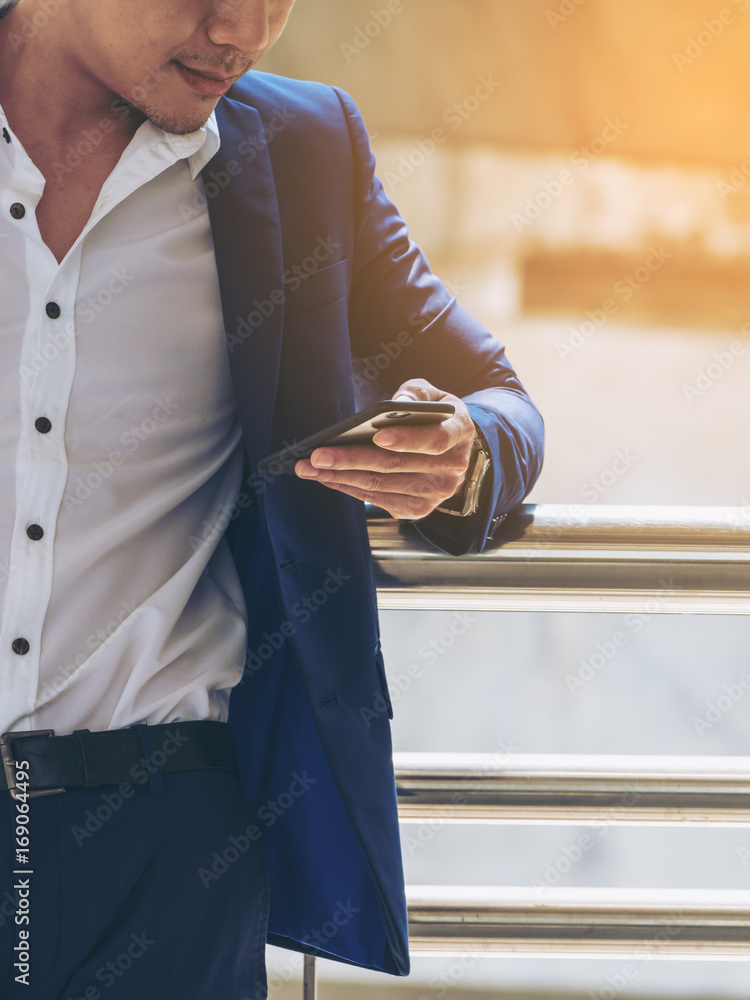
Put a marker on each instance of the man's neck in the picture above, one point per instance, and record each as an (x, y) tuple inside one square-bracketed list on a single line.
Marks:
[(54, 106), (47, 96)]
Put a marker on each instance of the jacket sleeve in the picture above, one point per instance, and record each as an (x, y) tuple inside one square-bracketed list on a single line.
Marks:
[(396, 301)]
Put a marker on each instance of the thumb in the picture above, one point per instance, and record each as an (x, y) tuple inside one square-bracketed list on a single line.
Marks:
[(416, 390)]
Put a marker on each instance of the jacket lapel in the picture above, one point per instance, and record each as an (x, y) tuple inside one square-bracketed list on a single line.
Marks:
[(246, 227)]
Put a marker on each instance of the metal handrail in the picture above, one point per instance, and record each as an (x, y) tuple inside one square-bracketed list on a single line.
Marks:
[(572, 788), (558, 923), (575, 558), (674, 923), (554, 557)]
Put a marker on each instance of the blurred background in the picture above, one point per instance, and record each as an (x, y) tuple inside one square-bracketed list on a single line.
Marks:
[(578, 173)]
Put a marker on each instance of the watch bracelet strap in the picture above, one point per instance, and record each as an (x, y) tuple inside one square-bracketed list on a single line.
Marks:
[(479, 446)]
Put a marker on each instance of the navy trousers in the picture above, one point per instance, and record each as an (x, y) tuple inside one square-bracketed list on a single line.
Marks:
[(148, 890)]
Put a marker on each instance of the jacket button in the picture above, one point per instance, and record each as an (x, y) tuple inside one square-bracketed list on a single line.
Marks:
[(35, 532), (43, 425), (53, 310), (17, 210), (21, 646), (494, 524)]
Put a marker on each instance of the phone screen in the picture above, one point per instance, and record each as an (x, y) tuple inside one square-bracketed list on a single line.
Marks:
[(359, 428)]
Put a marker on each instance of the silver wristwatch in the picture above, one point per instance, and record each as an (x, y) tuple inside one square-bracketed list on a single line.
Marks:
[(466, 501)]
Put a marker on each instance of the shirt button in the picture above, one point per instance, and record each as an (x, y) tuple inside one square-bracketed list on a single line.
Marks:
[(35, 532), (43, 425), (17, 210), (53, 310), (21, 646)]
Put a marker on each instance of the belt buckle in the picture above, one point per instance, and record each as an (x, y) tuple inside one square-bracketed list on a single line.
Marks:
[(9, 765)]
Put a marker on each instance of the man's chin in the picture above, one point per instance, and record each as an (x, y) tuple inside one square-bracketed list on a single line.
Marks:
[(176, 123)]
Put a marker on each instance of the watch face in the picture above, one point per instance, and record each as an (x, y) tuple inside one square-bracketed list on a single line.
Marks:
[(467, 502)]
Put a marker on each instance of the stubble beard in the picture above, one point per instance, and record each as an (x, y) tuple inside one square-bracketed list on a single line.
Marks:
[(172, 122)]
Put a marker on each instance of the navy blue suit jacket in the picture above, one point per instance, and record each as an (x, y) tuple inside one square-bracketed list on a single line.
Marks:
[(317, 273)]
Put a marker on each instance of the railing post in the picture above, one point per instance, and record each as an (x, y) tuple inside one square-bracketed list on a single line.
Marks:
[(310, 987)]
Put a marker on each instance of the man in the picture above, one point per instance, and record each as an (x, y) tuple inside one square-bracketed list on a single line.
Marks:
[(195, 267)]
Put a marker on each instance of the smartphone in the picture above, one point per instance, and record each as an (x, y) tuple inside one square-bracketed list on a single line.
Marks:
[(357, 429)]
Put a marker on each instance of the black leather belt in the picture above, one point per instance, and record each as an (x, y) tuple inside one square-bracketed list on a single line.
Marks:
[(86, 760)]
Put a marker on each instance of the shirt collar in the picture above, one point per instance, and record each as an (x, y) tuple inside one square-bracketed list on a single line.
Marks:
[(197, 147)]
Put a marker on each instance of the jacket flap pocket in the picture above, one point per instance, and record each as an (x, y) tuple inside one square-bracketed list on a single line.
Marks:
[(379, 663), (307, 291)]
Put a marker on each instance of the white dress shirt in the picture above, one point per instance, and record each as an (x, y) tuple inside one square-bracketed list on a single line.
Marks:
[(120, 451)]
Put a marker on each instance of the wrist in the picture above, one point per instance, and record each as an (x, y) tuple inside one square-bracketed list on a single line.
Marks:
[(466, 500)]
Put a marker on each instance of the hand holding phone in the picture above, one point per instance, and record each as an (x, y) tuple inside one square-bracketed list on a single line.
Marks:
[(408, 471), (360, 428)]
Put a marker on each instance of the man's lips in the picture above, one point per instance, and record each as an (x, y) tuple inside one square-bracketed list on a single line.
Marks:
[(206, 83)]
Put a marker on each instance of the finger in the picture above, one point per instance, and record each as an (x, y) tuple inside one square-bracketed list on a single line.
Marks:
[(437, 486), (396, 504), (368, 457), (432, 439), (419, 390)]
